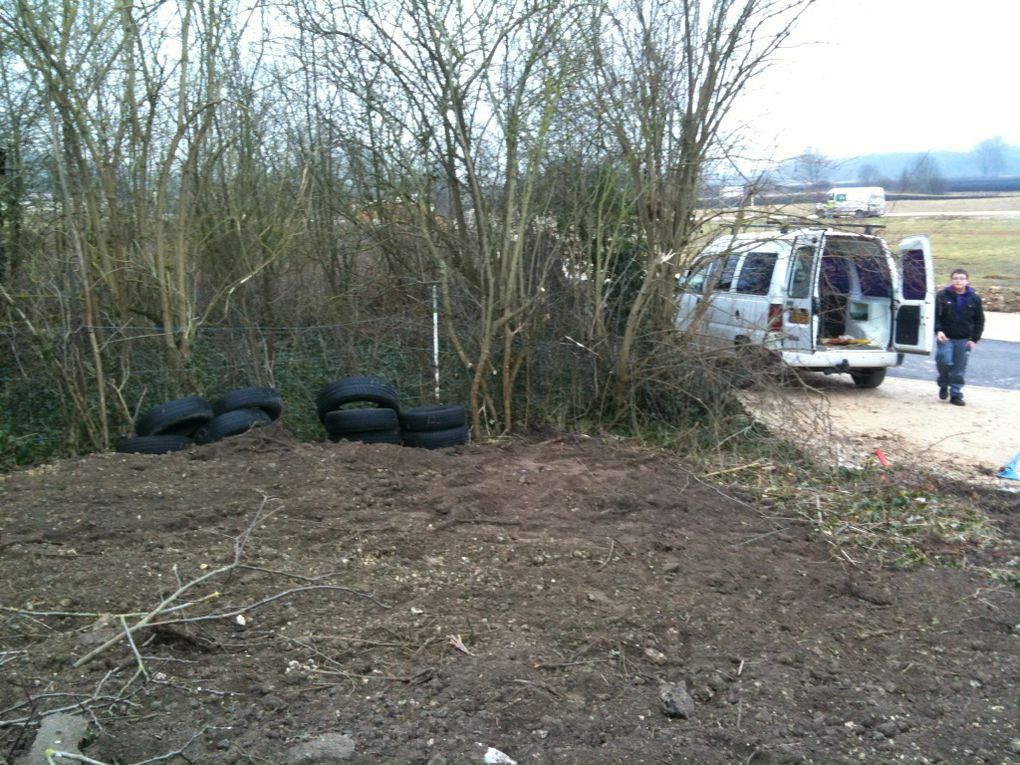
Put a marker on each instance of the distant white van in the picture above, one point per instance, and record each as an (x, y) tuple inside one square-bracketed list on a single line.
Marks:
[(817, 298), (857, 201)]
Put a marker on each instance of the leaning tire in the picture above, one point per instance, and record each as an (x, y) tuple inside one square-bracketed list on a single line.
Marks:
[(868, 378), (340, 421), (266, 399), (436, 439), (371, 390), (368, 437), (180, 417), (231, 423), (432, 417), (153, 444)]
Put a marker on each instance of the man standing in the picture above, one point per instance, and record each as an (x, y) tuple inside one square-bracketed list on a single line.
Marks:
[(959, 322)]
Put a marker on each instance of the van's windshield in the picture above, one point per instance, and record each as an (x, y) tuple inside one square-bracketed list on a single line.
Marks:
[(845, 258)]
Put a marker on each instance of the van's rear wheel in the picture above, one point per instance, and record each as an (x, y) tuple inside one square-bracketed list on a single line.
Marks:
[(868, 378)]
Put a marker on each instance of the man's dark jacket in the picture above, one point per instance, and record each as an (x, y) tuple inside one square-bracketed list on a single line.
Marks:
[(961, 317)]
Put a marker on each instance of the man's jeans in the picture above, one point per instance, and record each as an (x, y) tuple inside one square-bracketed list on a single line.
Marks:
[(951, 360)]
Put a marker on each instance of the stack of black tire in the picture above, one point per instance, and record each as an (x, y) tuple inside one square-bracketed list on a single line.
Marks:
[(183, 422), (373, 416)]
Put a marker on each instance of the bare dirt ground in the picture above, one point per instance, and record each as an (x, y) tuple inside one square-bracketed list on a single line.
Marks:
[(561, 599)]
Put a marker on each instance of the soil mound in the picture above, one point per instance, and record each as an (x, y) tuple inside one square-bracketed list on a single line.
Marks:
[(565, 600)]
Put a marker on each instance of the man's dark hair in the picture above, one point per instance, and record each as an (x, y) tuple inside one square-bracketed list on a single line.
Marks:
[(960, 271)]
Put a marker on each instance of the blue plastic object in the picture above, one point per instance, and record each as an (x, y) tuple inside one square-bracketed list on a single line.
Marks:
[(1010, 471)]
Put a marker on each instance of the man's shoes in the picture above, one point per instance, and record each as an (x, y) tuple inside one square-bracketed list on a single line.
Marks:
[(957, 401), (943, 392)]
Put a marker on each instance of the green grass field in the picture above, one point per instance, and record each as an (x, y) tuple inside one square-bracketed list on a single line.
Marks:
[(989, 248)]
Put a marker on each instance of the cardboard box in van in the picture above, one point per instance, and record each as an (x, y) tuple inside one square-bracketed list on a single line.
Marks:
[(853, 201), (816, 298)]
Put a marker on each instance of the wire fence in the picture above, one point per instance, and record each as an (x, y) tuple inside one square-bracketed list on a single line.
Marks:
[(50, 383), (49, 375)]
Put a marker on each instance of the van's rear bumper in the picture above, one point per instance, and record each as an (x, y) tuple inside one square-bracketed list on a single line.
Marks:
[(841, 359)]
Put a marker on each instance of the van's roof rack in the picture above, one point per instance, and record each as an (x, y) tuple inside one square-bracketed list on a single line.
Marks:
[(792, 222), (784, 225), (869, 228)]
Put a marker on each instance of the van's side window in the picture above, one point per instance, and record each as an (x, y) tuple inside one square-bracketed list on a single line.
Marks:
[(697, 280), (756, 273), (728, 270), (800, 273)]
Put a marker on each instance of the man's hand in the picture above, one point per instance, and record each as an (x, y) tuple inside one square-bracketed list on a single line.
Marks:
[(941, 337), (971, 345)]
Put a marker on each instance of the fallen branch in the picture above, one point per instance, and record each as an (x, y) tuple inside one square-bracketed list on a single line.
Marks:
[(74, 756), (257, 604), (612, 549), (239, 544), (158, 617)]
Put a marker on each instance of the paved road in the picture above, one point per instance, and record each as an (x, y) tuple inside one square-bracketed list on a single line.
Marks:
[(994, 364)]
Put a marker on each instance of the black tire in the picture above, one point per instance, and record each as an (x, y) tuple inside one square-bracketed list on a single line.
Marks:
[(181, 417), (153, 444), (341, 421), (432, 417), (372, 390), (231, 423), (436, 439), (860, 214), (871, 377), (368, 437), (266, 399)]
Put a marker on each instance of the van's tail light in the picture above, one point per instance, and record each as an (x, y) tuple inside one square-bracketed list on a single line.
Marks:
[(775, 317)]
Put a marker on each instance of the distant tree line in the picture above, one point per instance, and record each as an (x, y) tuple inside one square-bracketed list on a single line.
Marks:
[(991, 165)]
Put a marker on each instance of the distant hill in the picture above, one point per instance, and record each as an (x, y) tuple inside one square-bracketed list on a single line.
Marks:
[(994, 167), (951, 164)]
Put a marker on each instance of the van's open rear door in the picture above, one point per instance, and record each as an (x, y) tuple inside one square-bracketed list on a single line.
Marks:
[(800, 321), (914, 327)]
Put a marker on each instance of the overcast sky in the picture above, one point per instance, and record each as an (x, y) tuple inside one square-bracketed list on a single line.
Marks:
[(863, 76)]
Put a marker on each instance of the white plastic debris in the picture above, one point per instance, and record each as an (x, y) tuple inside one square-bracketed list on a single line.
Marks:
[(495, 757)]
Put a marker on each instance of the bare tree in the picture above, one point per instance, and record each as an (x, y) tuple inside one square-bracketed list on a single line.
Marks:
[(990, 156), (869, 175), (812, 168), (666, 76), (127, 97), (923, 175), (451, 107)]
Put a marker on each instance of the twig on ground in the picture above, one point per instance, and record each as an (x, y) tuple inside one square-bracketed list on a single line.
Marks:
[(157, 615), (76, 707), (738, 468), (81, 614), (239, 544), (612, 549), (259, 603), (140, 669), (544, 686), (456, 642), (51, 753), (565, 664), (756, 537)]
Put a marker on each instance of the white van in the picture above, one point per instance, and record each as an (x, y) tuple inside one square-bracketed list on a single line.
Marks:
[(817, 298), (856, 201)]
